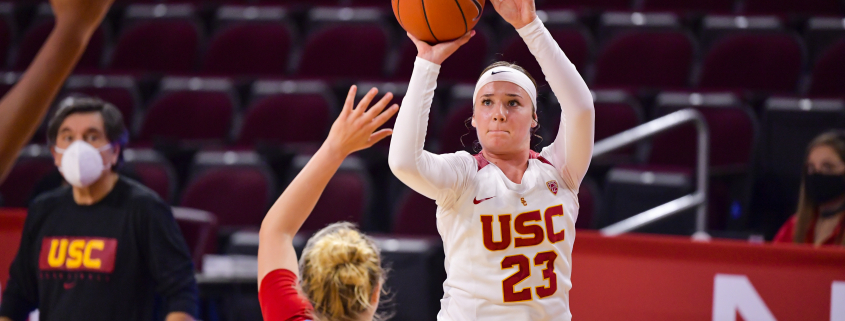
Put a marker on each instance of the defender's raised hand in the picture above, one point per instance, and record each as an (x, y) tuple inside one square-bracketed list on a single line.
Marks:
[(355, 128)]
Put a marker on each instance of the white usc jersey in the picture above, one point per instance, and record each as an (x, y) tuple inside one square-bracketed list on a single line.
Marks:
[(508, 246)]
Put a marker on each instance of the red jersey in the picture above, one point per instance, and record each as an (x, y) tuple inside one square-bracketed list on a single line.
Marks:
[(786, 232), (280, 300)]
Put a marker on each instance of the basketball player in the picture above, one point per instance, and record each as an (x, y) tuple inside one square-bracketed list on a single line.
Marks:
[(27, 102), (506, 215), (340, 267)]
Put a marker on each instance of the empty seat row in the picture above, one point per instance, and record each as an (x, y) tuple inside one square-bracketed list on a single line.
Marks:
[(784, 7), (630, 49)]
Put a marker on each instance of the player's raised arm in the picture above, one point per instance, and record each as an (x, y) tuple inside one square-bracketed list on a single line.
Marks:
[(353, 130), (573, 146), (422, 171), (26, 103)]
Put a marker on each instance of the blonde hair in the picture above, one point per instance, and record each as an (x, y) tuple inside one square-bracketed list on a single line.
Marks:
[(341, 270)]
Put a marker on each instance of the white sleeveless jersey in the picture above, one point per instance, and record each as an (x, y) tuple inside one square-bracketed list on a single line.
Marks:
[(508, 246)]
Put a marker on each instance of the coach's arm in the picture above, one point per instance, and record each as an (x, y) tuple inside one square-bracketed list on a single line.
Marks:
[(23, 108)]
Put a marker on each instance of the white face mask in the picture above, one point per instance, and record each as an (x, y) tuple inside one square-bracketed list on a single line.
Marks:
[(81, 164)]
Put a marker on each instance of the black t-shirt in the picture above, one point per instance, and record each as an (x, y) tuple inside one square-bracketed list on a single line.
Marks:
[(100, 262)]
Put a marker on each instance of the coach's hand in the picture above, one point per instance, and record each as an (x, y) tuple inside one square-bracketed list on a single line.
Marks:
[(439, 52), (354, 128), (518, 13), (81, 15)]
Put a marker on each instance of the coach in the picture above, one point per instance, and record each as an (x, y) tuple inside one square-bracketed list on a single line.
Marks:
[(101, 248)]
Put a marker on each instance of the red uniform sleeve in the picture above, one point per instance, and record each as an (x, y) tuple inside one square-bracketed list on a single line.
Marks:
[(279, 299), (785, 234)]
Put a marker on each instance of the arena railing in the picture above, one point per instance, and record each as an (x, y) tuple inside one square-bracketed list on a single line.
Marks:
[(697, 199)]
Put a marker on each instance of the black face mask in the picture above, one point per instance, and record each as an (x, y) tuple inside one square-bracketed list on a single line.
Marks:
[(824, 188)]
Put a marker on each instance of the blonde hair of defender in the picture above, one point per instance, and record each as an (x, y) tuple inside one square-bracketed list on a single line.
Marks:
[(341, 270)]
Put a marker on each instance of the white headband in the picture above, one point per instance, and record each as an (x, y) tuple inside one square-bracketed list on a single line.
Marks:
[(504, 73)]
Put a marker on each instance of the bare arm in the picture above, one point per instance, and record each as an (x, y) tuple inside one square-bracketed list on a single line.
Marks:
[(24, 106), (352, 131)]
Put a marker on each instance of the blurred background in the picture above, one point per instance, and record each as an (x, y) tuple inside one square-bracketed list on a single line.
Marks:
[(226, 100)]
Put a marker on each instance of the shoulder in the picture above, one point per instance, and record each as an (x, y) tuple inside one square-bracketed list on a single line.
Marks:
[(280, 298), (42, 204), (787, 231), (462, 161), (142, 199)]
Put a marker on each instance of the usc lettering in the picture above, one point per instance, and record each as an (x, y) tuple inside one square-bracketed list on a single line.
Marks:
[(78, 254), (522, 227)]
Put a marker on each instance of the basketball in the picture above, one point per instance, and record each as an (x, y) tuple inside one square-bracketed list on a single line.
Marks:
[(436, 21)]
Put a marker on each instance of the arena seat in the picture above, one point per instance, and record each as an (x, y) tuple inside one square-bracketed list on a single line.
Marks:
[(152, 170), (344, 42), (199, 228), (788, 125), (787, 7), (345, 198), (7, 31), (587, 4), (615, 112), (589, 204), (208, 102), (249, 41), (746, 61), (821, 33), (237, 187), (715, 27), (828, 77), (646, 59), (120, 91), (32, 165), (457, 134), (709, 6), (573, 39), (465, 65), (415, 215), (40, 29), (287, 112), (157, 38)]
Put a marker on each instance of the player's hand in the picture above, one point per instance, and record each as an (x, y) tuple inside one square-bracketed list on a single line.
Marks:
[(81, 15), (518, 13), (355, 128), (439, 52)]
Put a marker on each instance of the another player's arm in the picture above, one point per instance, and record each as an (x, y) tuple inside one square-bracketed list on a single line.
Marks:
[(426, 173), (574, 140), (354, 129), (27, 102)]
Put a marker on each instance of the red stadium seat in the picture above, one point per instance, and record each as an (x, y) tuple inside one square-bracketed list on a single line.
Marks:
[(287, 112), (37, 34), (415, 216), (7, 31), (250, 41), (236, 186), (615, 110), (199, 228), (746, 61), (802, 7), (33, 164), (157, 38), (575, 42), (345, 42), (465, 65), (591, 4), (345, 198), (821, 33), (120, 91), (458, 134), (208, 103), (646, 58), (709, 6), (829, 72), (152, 170)]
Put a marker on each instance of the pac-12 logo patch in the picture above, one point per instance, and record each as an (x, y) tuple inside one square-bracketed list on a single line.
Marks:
[(552, 185)]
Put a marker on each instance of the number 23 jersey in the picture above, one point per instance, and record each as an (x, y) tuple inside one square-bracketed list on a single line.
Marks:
[(508, 246)]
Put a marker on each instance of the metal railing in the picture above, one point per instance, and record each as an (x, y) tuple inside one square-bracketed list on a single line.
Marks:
[(696, 199)]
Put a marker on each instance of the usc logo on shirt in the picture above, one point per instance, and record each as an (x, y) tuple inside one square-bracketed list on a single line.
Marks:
[(64, 253)]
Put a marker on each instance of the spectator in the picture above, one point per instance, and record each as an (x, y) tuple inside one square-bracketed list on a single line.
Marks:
[(101, 248), (821, 201)]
